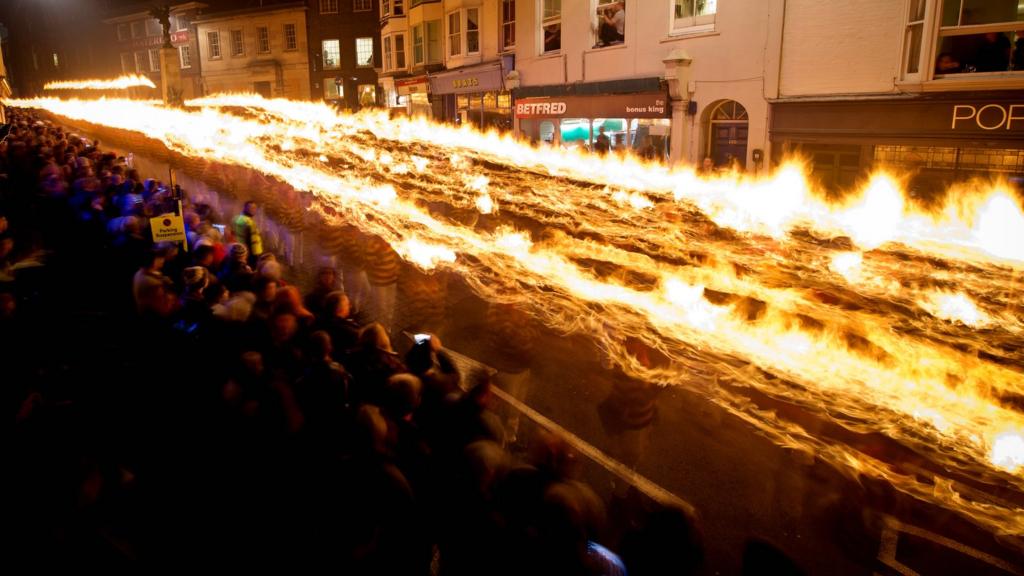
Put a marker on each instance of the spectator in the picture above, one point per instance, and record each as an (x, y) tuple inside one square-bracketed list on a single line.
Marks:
[(247, 232), (602, 144), (993, 53), (373, 363), (288, 301), (150, 286), (235, 272), (326, 283), (612, 23), (337, 321)]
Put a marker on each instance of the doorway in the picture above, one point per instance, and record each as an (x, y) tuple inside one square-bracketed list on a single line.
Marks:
[(727, 127)]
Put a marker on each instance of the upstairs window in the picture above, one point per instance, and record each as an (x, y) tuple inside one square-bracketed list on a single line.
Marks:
[(508, 24), (290, 39), (237, 43), (362, 5), (213, 42), (551, 26), (332, 54), (454, 34), (611, 23), (694, 14), (328, 6), (263, 40), (977, 36), (364, 52)]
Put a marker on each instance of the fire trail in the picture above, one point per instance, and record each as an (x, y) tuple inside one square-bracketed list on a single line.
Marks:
[(880, 313)]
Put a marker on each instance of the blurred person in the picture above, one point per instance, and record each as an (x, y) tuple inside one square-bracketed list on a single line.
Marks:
[(648, 151), (322, 391), (707, 167), (289, 301), (338, 322), (283, 353), (235, 272), (510, 337), (1018, 51), (382, 268), (373, 363), (602, 144), (246, 230), (993, 54), (668, 540), (149, 285), (265, 290), (326, 284), (946, 64)]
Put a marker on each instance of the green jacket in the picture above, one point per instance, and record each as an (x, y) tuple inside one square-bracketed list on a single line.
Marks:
[(248, 233)]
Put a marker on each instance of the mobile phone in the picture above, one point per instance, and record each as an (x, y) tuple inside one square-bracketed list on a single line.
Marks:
[(421, 338)]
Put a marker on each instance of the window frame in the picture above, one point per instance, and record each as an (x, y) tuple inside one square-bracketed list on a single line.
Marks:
[(326, 6), (139, 69), (698, 22), (291, 41), (152, 27), (437, 42), (131, 60), (419, 49), (942, 31), (339, 89), (468, 32), (142, 29), (154, 59), (237, 43), (123, 32), (185, 55), (368, 5), (385, 44), (359, 64), (504, 25), (214, 46), (395, 37), (323, 53), (262, 37), (544, 22), (454, 33)]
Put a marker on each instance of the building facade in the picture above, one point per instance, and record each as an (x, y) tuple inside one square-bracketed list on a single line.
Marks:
[(261, 50), (689, 77), (934, 88), (137, 37), (411, 40), (344, 45)]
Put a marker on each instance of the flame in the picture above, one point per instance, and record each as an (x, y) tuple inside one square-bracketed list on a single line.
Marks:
[(956, 307), (1008, 451), (725, 276), (119, 83)]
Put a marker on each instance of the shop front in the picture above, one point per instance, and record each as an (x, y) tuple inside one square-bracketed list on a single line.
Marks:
[(637, 121), (936, 139), (475, 95), (410, 95)]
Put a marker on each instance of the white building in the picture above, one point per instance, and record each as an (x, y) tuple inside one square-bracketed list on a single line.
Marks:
[(932, 87), (691, 74), (449, 58)]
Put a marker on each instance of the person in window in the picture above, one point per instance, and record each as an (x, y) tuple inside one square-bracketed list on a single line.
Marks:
[(993, 53), (946, 64), (1018, 52), (552, 37), (612, 18)]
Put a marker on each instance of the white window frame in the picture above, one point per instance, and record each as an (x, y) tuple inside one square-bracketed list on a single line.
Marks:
[(544, 22), (180, 23), (506, 24), (141, 58), (153, 27), (359, 57), (185, 56), (213, 44), (127, 63), (453, 21), (693, 24), (291, 37), (385, 8), (237, 43), (123, 31), (419, 51), (918, 21), (397, 52), (439, 41), (398, 7), (362, 5), (465, 26), (328, 6), (154, 59), (385, 43), (596, 26), (968, 30), (138, 28), (323, 54), (262, 40)]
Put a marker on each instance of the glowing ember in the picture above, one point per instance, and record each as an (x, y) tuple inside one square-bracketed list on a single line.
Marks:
[(727, 275), (119, 83)]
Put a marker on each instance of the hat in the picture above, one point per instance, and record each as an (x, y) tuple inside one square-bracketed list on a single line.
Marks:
[(238, 251), (196, 277), (270, 269)]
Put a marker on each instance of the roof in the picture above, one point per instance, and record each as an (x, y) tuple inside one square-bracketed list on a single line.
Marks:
[(226, 14)]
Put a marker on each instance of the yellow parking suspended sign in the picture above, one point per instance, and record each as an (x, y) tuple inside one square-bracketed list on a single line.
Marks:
[(167, 228)]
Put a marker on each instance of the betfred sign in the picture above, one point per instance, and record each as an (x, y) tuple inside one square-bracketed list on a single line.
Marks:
[(536, 109), (643, 105)]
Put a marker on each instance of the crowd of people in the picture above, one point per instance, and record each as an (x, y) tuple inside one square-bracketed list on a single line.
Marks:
[(185, 402)]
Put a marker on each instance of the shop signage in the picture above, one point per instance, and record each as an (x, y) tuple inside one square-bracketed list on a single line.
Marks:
[(417, 85), (985, 119), (642, 105), (485, 78), (177, 38)]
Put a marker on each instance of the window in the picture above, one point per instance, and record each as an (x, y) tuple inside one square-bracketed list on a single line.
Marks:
[(385, 8), (182, 22), (263, 40), (141, 61), (290, 40), (154, 60), (472, 30), (328, 6), (508, 24), (552, 25), (417, 44), (122, 31), (237, 43), (362, 5), (332, 90), (213, 42), (367, 95), (912, 40), (399, 10), (693, 13), (387, 53), (979, 36), (399, 51), (454, 34), (364, 52), (434, 41), (185, 55), (153, 27), (332, 54), (138, 29), (56, 60), (127, 65), (611, 23)]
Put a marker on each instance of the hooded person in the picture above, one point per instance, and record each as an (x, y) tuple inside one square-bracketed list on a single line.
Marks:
[(194, 308), (235, 273)]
